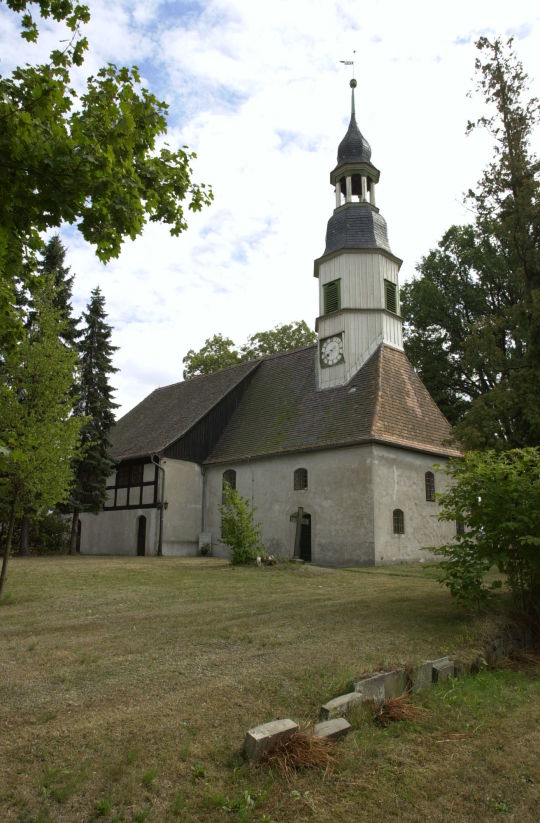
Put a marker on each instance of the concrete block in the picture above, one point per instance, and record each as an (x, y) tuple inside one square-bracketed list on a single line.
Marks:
[(372, 687), (442, 669), (461, 668), (395, 683), (332, 729), (422, 676), (340, 705), (263, 738), (496, 648)]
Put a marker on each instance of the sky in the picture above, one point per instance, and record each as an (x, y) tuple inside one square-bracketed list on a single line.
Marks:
[(259, 92)]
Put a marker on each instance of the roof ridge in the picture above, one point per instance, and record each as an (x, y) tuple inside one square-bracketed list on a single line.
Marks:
[(378, 399), (206, 376)]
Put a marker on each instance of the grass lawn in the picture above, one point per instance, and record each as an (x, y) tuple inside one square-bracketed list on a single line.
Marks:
[(127, 686)]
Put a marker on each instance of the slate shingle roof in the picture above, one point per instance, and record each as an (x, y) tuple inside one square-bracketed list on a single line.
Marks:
[(354, 148), (356, 226), (169, 412), (282, 410)]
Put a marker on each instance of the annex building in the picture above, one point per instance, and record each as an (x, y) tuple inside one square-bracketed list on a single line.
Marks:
[(338, 445)]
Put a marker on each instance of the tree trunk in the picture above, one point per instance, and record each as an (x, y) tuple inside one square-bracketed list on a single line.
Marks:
[(25, 535), (73, 537), (7, 549)]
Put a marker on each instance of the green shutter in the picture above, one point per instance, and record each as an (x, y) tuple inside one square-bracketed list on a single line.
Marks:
[(332, 296), (390, 296)]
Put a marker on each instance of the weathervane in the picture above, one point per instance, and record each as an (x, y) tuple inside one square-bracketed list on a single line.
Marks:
[(349, 63)]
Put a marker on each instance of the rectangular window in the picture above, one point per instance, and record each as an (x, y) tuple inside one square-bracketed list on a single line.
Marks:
[(390, 296), (332, 296)]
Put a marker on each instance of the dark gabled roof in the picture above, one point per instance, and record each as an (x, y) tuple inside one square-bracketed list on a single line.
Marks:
[(170, 412), (283, 411)]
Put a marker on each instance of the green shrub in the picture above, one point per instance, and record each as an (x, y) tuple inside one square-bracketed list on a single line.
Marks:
[(238, 528), (496, 495)]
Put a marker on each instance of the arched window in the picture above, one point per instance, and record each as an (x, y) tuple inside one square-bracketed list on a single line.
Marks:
[(229, 477), (300, 479), (430, 487), (398, 521)]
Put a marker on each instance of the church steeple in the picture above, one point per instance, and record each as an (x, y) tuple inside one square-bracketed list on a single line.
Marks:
[(358, 274)]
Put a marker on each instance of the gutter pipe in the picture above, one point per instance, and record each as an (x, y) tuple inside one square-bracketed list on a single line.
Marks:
[(156, 461)]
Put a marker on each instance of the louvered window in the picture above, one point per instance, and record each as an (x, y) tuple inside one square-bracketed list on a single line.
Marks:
[(398, 521), (430, 487), (332, 296), (300, 480), (390, 296)]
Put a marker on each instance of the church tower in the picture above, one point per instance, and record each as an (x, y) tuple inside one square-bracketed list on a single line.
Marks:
[(358, 274)]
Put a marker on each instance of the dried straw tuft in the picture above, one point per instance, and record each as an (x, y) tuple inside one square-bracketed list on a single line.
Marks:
[(300, 750), (398, 708), (518, 661)]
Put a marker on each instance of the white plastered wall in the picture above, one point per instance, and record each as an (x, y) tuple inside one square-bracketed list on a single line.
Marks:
[(338, 498), (399, 483), (182, 517), (115, 531)]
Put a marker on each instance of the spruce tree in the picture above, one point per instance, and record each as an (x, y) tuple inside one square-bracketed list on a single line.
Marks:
[(96, 404), (52, 266)]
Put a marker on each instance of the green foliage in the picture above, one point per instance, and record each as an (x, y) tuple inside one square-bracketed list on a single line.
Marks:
[(459, 330), (239, 530), (472, 317), (38, 428), (496, 495), (218, 352), (38, 431), (284, 337), (96, 405), (91, 159)]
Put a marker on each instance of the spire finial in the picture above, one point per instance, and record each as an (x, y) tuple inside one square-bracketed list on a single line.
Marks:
[(353, 82)]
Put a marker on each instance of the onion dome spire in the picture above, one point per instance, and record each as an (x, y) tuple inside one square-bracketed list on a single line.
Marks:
[(354, 148)]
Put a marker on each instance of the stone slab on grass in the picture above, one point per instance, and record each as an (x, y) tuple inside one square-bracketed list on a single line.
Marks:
[(263, 738), (395, 683), (340, 705), (422, 676), (372, 687), (442, 669), (332, 729)]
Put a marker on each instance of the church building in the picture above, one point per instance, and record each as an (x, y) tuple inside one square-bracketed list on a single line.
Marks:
[(338, 445)]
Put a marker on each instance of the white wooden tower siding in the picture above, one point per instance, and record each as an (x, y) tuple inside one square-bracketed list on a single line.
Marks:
[(358, 274)]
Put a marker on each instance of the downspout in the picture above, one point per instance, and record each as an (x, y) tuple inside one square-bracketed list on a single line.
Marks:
[(156, 461), (203, 472)]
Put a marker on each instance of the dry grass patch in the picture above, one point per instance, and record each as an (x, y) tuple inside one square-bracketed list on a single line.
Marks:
[(396, 709), (298, 751)]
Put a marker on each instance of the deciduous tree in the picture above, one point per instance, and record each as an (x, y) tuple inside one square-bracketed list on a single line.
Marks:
[(39, 431), (473, 315), (496, 496), (91, 159), (219, 352)]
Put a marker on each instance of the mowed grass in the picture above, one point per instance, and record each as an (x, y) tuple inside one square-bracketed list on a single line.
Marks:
[(127, 686)]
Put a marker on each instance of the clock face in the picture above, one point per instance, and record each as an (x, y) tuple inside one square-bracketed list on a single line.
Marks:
[(331, 350)]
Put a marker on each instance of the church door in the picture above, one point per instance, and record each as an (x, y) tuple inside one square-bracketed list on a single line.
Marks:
[(305, 538), (141, 536)]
